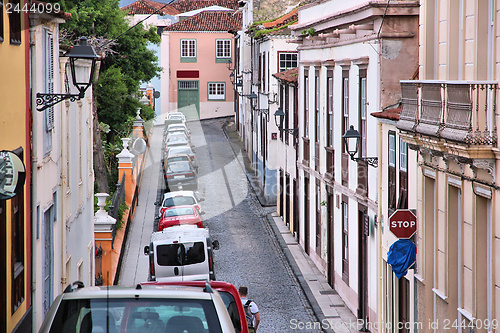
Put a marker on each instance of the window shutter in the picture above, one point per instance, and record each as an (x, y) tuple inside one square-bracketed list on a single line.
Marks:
[(49, 77)]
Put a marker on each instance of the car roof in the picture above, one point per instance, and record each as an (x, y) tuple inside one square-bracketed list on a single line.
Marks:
[(179, 155), (180, 206), (179, 194), (149, 291), (181, 148), (183, 232)]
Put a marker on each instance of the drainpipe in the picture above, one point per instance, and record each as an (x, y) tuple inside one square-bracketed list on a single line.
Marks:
[(379, 226)]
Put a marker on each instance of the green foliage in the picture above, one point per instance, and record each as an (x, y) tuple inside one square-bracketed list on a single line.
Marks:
[(121, 72), (259, 33), (121, 210), (309, 32)]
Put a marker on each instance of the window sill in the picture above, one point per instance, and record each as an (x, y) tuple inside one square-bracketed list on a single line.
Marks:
[(466, 314), (188, 59), (419, 278), (440, 294)]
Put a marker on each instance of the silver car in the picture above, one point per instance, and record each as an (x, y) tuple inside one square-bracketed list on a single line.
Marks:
[(138, 309)]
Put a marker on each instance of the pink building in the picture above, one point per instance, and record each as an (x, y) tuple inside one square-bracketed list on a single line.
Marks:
[(199, 48)]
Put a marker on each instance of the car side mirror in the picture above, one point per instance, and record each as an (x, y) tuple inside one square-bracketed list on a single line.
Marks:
[(157, 203), (202, 213), (146, 250), (215, 245), (157, 217)]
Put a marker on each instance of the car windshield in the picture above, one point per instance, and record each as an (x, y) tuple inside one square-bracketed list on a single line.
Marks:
[(178, 150), (178, 201), (180, 254), (136, 315), (178, 167), (179, 211), (178, 158)]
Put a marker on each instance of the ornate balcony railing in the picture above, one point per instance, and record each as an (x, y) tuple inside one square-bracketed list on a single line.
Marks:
[(459, 111)]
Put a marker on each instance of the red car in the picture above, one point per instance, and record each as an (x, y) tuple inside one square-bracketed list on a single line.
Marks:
[(229, 295), (177, 215)]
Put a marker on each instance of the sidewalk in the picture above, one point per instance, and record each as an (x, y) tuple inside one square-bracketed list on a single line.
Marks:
[(327, 305)]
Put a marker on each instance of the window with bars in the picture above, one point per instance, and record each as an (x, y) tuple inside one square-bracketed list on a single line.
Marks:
[(188, 85), (223, 48), (188, 49), (216, 91), (48, 79), (287, 60)]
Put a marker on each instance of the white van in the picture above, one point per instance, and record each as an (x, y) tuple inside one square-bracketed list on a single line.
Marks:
[(181, 253)]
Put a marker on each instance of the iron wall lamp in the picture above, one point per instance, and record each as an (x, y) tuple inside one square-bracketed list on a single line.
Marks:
[(279, 117), (351, 141), (81, 51)]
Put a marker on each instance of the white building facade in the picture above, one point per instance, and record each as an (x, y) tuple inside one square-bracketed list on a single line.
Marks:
[(351, 57), (63, 179)]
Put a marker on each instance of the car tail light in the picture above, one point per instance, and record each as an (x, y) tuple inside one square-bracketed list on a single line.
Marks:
[(199, 224), (190, 174), (169, 176), (152, 265), (210, 264)]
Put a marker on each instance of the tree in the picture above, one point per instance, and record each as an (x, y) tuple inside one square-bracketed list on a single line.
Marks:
[(126, 65)]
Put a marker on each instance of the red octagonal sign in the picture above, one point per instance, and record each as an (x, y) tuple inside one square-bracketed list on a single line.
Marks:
[(403, 223)]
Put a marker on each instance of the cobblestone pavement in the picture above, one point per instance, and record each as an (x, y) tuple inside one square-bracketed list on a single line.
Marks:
[(250, 254)]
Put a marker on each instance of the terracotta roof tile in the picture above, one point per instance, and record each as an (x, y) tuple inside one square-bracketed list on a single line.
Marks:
[(184, 6), (285, 19), (149, 7), (289, 76), (391, 114), (209, 21)]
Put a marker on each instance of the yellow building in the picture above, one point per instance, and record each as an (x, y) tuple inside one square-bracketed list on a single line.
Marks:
[(15, 230), (450, 118)]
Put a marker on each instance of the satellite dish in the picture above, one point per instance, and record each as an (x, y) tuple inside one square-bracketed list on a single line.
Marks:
[(138, 146), (12, 174), (156, 94)]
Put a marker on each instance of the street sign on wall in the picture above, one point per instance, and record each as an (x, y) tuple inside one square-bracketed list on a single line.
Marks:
[(403, 223)]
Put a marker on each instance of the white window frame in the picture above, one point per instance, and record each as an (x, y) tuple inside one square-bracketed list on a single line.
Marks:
[(286, 61), (186, 48), (392, 150), (223, 46), (403, 156), (216, 91)]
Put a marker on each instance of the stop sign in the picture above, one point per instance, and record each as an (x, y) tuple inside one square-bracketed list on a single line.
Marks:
[(403, 223)]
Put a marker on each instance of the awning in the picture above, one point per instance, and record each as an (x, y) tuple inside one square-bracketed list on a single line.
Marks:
[(401, 256)]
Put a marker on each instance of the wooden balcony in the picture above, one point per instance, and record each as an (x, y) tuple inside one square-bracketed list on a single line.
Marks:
[(458, 112)]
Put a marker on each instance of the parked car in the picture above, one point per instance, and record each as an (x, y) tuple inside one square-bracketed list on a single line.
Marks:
[(179, 198), (180, 150), (180, 215), (181, 253), (181, 157), (177, 140), (141, 308), (173, 134), (176, 115), (178, 127), (179, 175), (229, 295)]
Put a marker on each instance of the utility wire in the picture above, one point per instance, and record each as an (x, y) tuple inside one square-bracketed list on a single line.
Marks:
[(383, 17), (132, 27)]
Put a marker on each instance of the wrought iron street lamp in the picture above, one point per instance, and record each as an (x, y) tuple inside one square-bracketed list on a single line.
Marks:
[(351, 141), (279, 117), (80, 80)]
